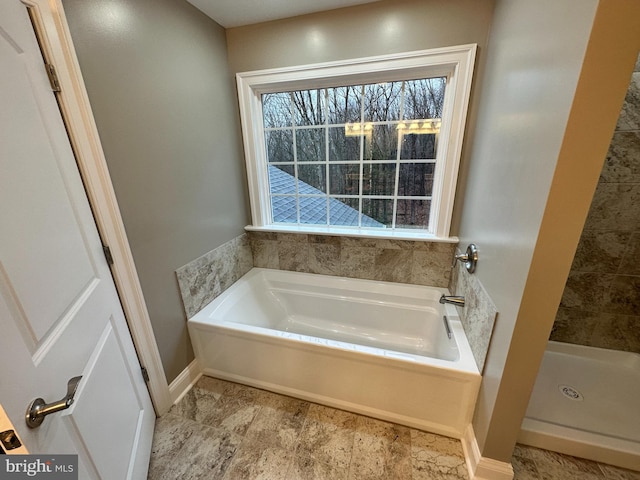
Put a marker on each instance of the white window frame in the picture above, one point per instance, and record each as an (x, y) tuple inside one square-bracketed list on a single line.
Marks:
[(455, 63)]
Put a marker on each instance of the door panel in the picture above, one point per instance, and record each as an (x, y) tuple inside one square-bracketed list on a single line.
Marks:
[(108, 400), (36, 189), (59, 309)]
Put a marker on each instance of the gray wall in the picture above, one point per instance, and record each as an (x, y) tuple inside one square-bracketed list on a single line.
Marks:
[(374, 29), (551, 73), (601, 302), (164, 103)]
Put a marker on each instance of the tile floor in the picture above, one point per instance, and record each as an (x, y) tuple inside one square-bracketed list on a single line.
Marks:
[(222, 430)]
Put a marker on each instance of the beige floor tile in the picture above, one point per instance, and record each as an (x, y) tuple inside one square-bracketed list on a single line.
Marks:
[(552, 464), (206, 454), (381, 450), (200, 400), (615, 473), (234, 410), (279, 422), (327, 436), (171, 433), (434, 457), (524, 468), (223, 430), (255, 461), (305, 467)]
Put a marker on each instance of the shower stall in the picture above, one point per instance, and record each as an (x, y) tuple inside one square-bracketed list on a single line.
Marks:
[(585, 400)]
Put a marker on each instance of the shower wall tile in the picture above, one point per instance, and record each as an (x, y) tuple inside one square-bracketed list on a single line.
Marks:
[(597, 329), (618, 332), (206, 277), (630, 264), (600, 251), (479, 314), (601, 302), (574, 326), (622, 164), (630, 114), (403, 261), (615, 206), (624, 296), (587, 291)]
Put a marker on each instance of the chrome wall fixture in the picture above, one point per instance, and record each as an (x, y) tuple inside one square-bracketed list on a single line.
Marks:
[(470, 258)]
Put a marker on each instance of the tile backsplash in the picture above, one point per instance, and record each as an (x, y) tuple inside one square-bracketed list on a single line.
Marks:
[(403, 261), (479, 313), (206, 277)]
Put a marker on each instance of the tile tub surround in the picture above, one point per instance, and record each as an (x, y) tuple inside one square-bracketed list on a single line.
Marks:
[(601, 302), (223, 430), (208, 276), (479, 313), (402, 261)]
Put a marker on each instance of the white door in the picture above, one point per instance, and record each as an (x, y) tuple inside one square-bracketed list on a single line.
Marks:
[(60, 316)]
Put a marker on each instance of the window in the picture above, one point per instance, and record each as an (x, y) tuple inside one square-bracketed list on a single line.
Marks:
[(367, 146)]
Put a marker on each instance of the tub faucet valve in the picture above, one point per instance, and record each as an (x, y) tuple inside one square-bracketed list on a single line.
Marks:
[(470, 258), (453, 300)]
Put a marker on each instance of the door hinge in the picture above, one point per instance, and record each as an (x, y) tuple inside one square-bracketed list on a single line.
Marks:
[(145, 374), (107, 254), (53, 77)]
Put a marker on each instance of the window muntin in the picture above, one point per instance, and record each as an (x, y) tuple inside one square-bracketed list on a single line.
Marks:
[(369, 148), (330, 97)]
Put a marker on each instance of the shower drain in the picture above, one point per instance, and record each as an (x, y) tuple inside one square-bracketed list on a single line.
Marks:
[(570, 393)]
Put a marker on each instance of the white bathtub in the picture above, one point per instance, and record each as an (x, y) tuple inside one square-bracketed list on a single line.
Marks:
[(375, 348)]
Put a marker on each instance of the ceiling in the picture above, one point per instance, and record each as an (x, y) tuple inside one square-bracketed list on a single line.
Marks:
[(235, 13)]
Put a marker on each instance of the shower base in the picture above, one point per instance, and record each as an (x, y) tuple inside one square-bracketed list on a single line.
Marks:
[(586, 403)]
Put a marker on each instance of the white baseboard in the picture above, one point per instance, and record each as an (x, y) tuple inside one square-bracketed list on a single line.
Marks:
[(479, 467), (183, 382)]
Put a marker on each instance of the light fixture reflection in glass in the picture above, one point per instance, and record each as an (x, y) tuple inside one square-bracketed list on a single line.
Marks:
[(357, 129), (420, 126)]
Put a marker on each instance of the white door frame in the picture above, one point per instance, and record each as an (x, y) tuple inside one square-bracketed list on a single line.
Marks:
[(74, 104)]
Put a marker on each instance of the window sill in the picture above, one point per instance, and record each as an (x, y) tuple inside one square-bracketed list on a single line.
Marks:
[(352, 232)]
